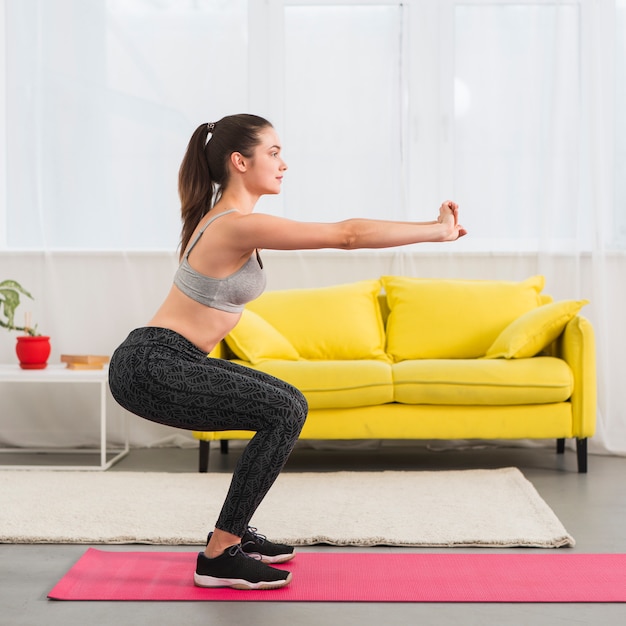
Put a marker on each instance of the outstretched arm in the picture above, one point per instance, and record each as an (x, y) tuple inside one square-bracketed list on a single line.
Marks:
[(275, 233)]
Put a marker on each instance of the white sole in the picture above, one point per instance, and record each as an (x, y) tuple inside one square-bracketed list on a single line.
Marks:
[(278, 558), (238, 583)]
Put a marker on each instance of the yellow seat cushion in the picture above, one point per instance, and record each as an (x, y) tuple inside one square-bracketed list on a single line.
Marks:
[(452, 319), (335, 384), (535, 330), (539, 380), (255, 340), (327, 323)]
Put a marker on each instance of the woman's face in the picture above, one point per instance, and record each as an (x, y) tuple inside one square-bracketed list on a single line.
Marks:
[(267, 167)]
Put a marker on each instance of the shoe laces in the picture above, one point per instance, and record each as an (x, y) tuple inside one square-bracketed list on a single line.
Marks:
[(238, 549), (258, 537)]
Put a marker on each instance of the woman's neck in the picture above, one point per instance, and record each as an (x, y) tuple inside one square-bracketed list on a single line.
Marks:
[(239, 199)]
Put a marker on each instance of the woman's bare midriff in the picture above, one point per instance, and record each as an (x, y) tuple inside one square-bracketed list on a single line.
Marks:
[(203, 326)]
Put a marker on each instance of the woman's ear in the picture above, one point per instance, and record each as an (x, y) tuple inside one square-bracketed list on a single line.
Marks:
[(239, 162)]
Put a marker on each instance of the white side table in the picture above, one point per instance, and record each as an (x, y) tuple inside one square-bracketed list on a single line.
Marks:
[(61, 374)]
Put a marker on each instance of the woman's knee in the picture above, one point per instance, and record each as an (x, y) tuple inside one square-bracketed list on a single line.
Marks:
[(301, 406), (295, 409)]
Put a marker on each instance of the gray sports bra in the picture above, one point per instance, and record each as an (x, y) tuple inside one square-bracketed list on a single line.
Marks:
[(226, 294)]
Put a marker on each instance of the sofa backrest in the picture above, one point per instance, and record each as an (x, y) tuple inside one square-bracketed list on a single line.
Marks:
[(452, 319), (392, 319), (328, 323)]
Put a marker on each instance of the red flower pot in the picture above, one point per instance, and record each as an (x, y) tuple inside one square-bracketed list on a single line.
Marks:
[(33, 352)]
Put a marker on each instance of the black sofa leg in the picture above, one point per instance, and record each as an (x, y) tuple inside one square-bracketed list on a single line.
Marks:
[(203, 456), (581, 454), (560, 446), (224, 446)]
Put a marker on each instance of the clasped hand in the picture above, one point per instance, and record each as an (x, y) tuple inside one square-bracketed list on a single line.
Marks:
[(449, 215)]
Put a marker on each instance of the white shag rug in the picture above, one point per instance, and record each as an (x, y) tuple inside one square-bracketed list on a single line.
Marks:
[(477, 508)]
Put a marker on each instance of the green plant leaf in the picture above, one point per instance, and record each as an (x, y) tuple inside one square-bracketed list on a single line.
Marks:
[(10, 291), (14, 285), (10, 301)]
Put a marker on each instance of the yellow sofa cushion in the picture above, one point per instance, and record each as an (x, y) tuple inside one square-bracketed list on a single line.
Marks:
[(327, 323), (255, 340), (481, 382), (452, 319), (335, 384), (535, 330)]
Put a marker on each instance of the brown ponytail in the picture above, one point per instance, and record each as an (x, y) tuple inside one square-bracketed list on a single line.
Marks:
[(195, 187), (204, 170)]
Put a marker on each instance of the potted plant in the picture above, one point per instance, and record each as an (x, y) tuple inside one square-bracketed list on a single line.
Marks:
[(33, 349)]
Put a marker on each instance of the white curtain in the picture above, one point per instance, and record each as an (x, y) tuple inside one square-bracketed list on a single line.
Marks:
[(513, 109)]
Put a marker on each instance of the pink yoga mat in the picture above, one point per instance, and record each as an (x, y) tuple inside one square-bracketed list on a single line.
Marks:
[(360, 577)]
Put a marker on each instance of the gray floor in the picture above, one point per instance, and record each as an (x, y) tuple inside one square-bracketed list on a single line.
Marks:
[(592, 507)]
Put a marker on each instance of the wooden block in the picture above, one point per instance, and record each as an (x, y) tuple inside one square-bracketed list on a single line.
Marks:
[(87, 359), (85, 366)]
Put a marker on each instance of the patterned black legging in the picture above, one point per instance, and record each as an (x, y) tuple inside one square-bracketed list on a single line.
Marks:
[(161, 376)]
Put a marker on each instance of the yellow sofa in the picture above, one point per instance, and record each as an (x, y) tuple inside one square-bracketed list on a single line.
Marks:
[(411, 358)]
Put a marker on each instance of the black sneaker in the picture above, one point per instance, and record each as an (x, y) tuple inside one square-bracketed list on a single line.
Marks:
[(260, 547), (236, 569)]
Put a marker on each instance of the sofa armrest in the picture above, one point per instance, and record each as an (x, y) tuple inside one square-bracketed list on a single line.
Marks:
[(576, 346)]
